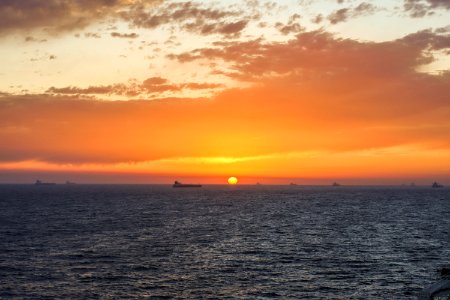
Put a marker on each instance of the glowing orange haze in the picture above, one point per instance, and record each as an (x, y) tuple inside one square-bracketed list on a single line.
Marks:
[(339, 109), (257, 132)]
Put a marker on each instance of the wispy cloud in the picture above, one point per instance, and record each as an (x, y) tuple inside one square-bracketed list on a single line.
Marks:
[(194, 17), (152, 85), (343, 14)]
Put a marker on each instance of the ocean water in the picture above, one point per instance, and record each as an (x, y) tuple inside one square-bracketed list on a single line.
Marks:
[(242, 242)]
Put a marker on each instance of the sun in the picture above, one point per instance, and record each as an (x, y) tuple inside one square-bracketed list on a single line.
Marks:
[(232, 180)]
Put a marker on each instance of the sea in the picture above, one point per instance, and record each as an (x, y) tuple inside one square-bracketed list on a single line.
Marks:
[(221, 242)]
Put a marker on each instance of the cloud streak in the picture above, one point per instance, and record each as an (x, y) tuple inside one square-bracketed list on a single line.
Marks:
[(131, 35), (152, 85)]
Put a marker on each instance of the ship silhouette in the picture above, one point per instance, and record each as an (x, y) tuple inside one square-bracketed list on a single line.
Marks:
[(178, 184), (38, 182), (436, 185)]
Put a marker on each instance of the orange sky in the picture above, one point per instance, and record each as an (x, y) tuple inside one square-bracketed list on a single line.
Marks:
[(200, 92)]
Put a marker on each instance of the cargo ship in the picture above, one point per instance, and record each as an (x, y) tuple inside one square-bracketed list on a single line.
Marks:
[(38, 182), (178, 184)]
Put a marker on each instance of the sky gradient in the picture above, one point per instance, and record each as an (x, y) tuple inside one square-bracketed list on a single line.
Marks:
[(310, 92)]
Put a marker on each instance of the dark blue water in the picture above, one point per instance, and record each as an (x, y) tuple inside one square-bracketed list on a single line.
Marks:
[(221, 242)]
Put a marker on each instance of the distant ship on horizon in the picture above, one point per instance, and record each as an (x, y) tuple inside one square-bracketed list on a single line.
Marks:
[(178, 184), (336, 184), (436, 185), (38, 182)]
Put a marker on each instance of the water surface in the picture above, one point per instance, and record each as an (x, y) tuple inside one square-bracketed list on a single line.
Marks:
[(125, 241)]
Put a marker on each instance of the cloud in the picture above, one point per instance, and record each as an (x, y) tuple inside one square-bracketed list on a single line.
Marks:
[(90, 90), (230, 29), (189, 16), (155, 81), (439, 3), (132, 35), (312, 93), (291, 27), (339, 15), (317, 19), (422, 8), (428, 40), (343, 14), (29, 39), (327, 114), (327, 79), (92, 35), (152, 85), (364, 9), (43, 57), (201, 86), (55, 15), (441, 30), (320, 54), (158, 85)]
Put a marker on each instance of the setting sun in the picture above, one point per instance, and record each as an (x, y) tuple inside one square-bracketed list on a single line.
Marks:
[(232, 180)]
